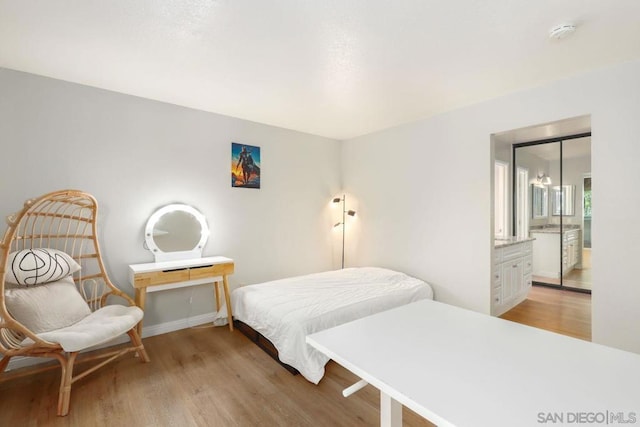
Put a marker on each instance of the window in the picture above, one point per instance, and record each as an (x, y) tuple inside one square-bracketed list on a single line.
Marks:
[(522, 199), (587, 198), (501, 201)]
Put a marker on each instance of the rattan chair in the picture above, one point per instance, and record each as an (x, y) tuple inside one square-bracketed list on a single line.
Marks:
[(62, 221)]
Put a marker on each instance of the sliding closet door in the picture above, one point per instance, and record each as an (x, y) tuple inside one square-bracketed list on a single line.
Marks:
[(575, 219), (559, 211), (544, 166)]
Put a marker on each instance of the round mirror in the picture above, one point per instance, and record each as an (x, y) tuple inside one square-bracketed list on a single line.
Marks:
[(176, 232)]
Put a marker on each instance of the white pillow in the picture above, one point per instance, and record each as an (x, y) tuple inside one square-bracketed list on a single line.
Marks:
[(35, 266), (47, 307)]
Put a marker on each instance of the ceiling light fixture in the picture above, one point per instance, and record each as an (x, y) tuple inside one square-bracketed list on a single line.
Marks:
[(561, 31), (544, 179)]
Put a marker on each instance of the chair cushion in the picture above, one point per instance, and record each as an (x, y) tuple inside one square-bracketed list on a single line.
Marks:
[(99, 327), (47, 307), (36, 266)]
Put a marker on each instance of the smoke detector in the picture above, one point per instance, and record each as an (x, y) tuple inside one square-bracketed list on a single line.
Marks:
[(561, 31)]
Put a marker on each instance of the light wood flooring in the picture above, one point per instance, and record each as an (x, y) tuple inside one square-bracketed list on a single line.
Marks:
[(564, 312), (197, 377)]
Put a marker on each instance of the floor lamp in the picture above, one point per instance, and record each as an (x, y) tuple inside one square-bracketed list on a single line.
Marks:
[(345, 212)]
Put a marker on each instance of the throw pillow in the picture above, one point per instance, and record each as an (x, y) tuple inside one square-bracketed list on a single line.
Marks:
[(37, 266)]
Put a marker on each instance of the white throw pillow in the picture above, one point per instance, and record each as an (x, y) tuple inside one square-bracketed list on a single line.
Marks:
[(36, 266), (47, 307)]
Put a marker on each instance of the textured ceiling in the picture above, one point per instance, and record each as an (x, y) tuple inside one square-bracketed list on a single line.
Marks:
[(336, 68)]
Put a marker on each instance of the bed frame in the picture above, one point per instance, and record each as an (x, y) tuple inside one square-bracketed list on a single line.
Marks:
[(262, 342)]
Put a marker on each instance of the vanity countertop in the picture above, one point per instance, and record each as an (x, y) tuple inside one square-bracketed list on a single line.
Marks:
[(554, 229), (501, 243)]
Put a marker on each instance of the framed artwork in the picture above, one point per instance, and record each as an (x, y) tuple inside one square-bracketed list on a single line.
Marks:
[(245, 165)]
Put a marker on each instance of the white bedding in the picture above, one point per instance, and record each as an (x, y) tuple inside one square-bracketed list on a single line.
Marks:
[(286, 311)]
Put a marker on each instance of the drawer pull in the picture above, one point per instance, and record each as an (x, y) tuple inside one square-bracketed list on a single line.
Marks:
[(201, 266)]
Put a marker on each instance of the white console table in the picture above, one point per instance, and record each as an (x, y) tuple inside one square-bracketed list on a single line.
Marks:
[(456, 367), (160, 276)]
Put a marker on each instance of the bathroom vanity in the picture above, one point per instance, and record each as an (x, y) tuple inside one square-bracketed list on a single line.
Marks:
[(548, 260), (512, 268)]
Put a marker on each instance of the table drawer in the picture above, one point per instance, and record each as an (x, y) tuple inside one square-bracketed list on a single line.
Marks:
[(210, 271), (161, 277)]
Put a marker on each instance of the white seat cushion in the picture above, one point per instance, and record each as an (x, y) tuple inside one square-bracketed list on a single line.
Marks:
[(99, 327), (47, 307)]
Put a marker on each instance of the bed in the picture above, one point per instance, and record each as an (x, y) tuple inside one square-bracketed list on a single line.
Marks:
[(286, 311)]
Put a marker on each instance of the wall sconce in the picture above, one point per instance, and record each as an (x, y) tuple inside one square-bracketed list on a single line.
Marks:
[(345, 212), (544, 179)]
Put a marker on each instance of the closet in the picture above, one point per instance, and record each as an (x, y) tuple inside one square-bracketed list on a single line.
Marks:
[(557, 212)]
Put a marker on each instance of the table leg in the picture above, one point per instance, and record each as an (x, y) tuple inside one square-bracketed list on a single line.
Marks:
[(227, 299), (390, 411), (216, 287), (141, 297)]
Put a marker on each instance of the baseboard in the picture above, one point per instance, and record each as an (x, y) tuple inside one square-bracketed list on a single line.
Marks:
[(550, 274), (147, 331), (176, 325)]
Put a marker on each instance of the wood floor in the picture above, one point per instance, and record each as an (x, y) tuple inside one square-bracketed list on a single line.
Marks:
[(565, 312), (197, 377)]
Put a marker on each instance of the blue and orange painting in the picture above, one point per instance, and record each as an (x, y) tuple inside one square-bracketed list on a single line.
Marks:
[(245, 165)]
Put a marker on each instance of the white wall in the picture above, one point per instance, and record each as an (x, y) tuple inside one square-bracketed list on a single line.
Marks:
[(422, 191), (425, 196), (136, 155)]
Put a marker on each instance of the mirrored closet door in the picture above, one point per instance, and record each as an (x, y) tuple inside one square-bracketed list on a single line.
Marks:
[(558, 209)]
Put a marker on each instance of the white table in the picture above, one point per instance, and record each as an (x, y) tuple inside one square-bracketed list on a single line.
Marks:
[(456, 367)]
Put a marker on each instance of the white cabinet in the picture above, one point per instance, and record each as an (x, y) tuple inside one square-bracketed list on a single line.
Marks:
[(547, 259), (512, 275), (546, 254), (571, 253)]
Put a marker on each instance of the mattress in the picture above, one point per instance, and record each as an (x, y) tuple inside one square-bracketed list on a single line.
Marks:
[(286, 311)]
